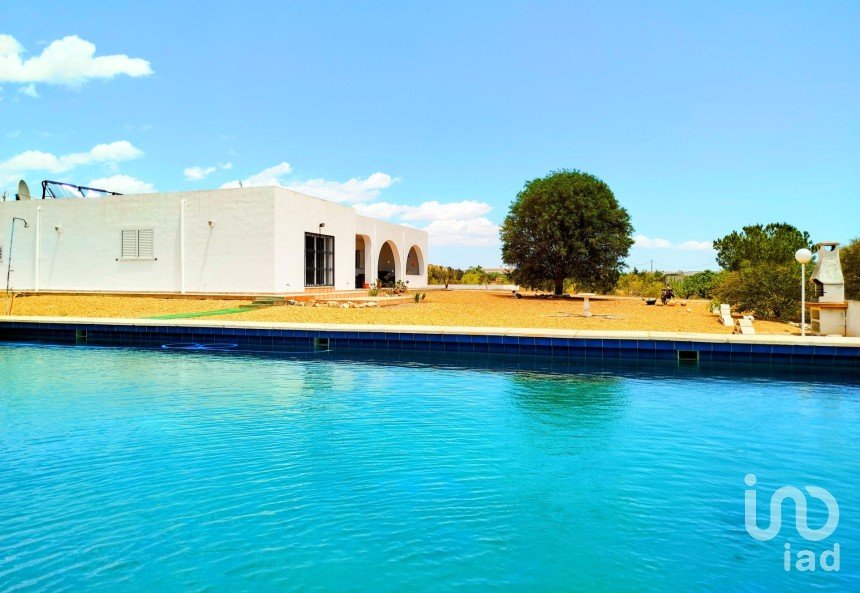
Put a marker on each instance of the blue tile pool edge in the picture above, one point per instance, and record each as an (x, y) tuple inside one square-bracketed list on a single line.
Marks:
[(255, 339)]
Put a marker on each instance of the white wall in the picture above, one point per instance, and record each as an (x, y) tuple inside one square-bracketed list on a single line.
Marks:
[(236, 252), (297, 214), (255, 243), (233, 255), (852, 326)]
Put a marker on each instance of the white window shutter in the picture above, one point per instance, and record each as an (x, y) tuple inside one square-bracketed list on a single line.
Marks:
[(145, 244), (137, 244), (129, 244)]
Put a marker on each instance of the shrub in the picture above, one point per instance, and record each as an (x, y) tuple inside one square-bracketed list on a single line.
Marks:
[(642, 284), (475, 275), (765, 290), (443, 275), (761, 274), (850, 258), (696, 286)]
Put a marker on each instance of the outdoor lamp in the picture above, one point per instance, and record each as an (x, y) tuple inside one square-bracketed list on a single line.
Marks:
[(12, 244), (803, 257)]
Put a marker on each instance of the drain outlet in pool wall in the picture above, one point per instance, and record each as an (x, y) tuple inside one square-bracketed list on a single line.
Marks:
[(80, 336), (321, 343), (688, 356)]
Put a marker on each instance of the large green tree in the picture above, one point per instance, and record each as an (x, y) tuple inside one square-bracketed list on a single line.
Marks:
[(774, 243), (567, 225)]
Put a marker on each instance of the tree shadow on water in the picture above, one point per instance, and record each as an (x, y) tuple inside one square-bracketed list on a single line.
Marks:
[(571, 400)]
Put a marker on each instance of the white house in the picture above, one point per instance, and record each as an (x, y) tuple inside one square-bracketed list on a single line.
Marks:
[(260, 240)]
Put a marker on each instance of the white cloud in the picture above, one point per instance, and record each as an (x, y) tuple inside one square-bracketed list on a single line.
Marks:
[(470, 233), (122, 150), (355, 190), (36, 160), (270, 176), (427, 211), (466, 209), (383, 210), (124, 184), (697, 245), (13, 134), (452, 223), (70, 61), (29, 90), (643, 241), (195, 173)]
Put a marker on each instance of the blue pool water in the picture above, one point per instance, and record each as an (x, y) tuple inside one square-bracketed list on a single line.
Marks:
[(175, 471)]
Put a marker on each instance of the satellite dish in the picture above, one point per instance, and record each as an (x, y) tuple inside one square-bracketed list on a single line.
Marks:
[(23, 191)]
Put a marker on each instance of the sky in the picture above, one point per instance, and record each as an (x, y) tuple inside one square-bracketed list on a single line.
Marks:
[(702, 117)]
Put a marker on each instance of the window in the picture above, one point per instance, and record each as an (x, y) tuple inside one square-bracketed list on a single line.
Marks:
[(137, 244), (319, 260)]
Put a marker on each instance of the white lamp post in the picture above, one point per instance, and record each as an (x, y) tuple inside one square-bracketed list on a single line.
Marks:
[(803, 256)]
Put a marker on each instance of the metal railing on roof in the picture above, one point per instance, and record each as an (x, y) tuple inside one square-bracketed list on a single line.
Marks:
[(62, 190)]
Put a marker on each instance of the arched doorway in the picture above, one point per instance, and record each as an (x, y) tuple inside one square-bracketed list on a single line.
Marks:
[(388, 269), (363, 261), (414, 262)]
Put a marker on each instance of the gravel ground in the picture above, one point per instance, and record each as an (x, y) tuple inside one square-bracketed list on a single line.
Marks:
[(466, 308), (113, 306)]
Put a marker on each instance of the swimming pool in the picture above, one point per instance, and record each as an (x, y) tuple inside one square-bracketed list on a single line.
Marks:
[(168, 470)]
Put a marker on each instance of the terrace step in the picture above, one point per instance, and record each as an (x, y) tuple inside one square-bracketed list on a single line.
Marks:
[(381, 301), (330, 295), (267, 301)]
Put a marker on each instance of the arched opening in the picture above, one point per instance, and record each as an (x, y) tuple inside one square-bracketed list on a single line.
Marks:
[(414, 262), (388, 270), (363, 273)]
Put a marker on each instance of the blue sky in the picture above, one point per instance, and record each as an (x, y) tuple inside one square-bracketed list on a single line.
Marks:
[(701, 116)]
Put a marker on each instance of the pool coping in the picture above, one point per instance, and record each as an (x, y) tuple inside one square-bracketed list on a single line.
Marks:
[(254, 336), (836, 341)]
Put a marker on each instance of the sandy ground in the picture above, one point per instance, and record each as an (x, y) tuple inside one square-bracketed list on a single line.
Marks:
[(112, 306), (466, 308)]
